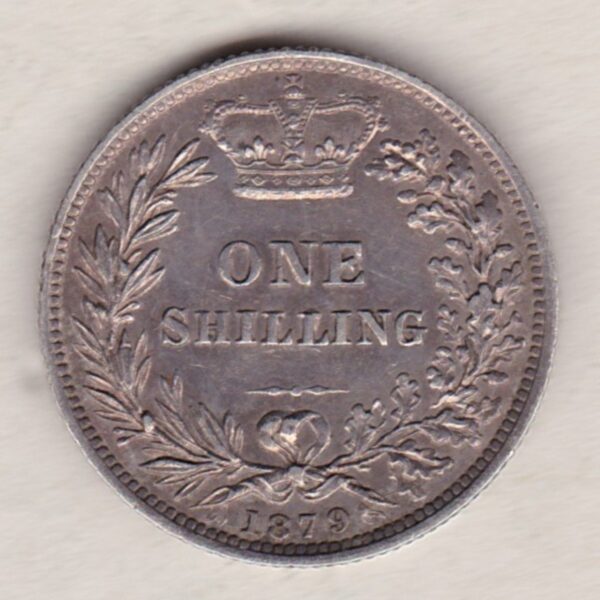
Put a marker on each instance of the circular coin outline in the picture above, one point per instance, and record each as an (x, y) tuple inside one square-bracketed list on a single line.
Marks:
[(60, 380)]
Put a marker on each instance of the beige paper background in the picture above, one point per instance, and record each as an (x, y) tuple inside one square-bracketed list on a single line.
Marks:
[(528, 70)]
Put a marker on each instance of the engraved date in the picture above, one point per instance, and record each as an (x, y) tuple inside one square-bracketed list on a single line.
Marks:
[(304, 525)]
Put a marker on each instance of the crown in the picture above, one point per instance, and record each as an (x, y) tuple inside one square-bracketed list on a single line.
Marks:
[(294, 147)]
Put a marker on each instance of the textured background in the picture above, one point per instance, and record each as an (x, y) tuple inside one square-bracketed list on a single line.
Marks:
[(528, 70)]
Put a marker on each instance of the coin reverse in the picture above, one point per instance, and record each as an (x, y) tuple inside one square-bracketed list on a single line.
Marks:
[(298, 307)]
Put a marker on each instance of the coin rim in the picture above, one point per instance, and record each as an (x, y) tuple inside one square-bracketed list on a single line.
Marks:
[(442, 515)]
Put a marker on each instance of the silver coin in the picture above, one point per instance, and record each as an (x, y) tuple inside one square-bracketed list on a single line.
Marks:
[(298, 307)]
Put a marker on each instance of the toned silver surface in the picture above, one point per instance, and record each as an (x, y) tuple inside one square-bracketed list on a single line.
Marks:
[(298, 307)]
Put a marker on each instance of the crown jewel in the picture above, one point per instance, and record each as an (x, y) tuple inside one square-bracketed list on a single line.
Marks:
[(294, 147)]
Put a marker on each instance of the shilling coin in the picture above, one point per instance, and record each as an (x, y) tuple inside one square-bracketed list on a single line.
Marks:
[(298, 307)]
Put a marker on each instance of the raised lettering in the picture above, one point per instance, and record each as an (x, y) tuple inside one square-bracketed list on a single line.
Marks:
[(239, 264), (409, 329), (174, 329), (247, 325), (310, 323), (373, 325), (345, 263), (273, 336), (341, 328), (288, 266), (212, 327)]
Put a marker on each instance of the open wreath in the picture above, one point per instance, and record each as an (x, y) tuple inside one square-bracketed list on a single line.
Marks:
[(185, 443)]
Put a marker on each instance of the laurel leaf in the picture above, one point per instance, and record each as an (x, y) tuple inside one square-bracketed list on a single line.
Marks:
[(222, 494), (90, 355), (210, 432), (105, 253), (229, 429), (170, 464), (157, 153), (238, 440), (118, 182), (136, 199), (366, 492), (107, 399), (156, 227), (90, 285), (190, 175), (448, 427), (99, 381), (183, 155), (125, 435), (90, 266), (143, 278), (113, 416), (159, 202), (419, 461), (142, 375), (187, 488), (257, 484), (86, 335), (140, 351), (171, 421), (125, 312), (111, 205)]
